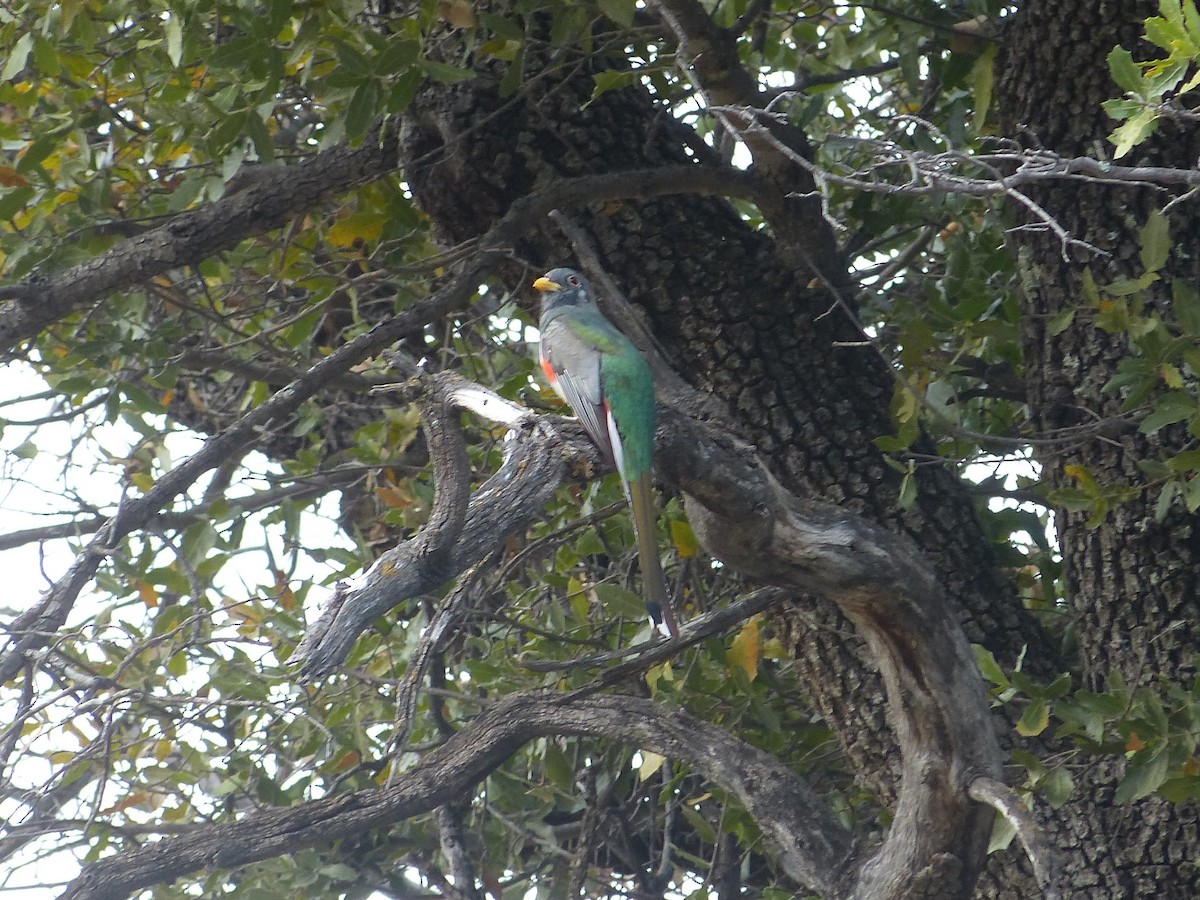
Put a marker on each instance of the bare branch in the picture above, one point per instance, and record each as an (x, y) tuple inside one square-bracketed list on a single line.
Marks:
[(950, 172), (1004, 799), (310, 487)]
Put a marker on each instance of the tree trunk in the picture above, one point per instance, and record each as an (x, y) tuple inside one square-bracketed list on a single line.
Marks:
[(1131, 581), (737, 320)]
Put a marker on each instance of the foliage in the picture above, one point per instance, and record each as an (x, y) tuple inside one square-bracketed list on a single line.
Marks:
[(168, 701), (1154, 88)]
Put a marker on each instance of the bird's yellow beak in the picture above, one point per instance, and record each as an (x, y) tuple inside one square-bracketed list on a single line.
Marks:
[(544, 284)]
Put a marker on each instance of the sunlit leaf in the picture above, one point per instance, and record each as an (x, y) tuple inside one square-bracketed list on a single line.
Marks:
[(746, 648)]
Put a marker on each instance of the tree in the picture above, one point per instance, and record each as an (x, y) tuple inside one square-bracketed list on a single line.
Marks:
[(871, 250)]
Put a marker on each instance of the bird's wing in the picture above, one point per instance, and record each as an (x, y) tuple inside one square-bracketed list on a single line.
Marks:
[(572, 359)]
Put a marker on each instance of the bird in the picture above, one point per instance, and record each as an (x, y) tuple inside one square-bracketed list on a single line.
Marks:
[(606, 380)]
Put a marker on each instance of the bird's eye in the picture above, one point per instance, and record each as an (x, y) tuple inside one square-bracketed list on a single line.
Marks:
[(573, 280)]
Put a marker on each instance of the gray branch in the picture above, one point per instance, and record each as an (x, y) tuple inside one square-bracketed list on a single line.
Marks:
[(808, 838), (744, 517), (138, 258)]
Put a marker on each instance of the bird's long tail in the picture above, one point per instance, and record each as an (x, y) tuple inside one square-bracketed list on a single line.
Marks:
[(658, 603)]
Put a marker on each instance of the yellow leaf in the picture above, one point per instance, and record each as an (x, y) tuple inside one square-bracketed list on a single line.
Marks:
[(684, 539), (655, 674), (1086, 479), (283, 592), (195, 399), (773, 648), (287, 599), (746, 648), (347, 760), (1171, 376), (651, 763), (365, 227), (148, 593)]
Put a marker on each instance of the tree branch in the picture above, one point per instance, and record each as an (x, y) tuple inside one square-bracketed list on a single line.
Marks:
[(33, 629), (1004, 799), (745, 518), (813, 847), (194, 235)]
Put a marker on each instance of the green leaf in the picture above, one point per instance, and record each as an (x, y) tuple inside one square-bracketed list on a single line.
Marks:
[(1166, 33), (985, 660), (1186, 461), (174, 31), (1087, 284), (1163, 506), (1191, 494), (1122, 109), (17, 58), (1156, 241), (700, 825), (45, 58), (1181, 789), (439, 71), (1072, 499), (611, 80), (1056, 786), (1003, 832), (908, 489), (1185, 301), (983, 76), (1125, 72), (1060, 323), (1172, 407), (1191, 23), (1035, 718), (1133, 132), (1146, 771), (558, 768), (619, 11), (361, 112)]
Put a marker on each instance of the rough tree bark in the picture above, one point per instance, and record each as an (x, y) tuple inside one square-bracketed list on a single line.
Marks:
[(1132, 581), (737, 318)]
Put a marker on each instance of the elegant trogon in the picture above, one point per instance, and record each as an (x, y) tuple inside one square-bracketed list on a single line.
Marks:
[(607, 382)]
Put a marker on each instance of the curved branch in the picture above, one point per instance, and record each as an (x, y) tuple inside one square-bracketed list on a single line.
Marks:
[(744, 517), (34, 628), (536, 462), (936, 700), (812, 846), (1004, 800)]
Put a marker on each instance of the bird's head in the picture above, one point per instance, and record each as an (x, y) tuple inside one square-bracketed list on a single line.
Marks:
[(563, 287)]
